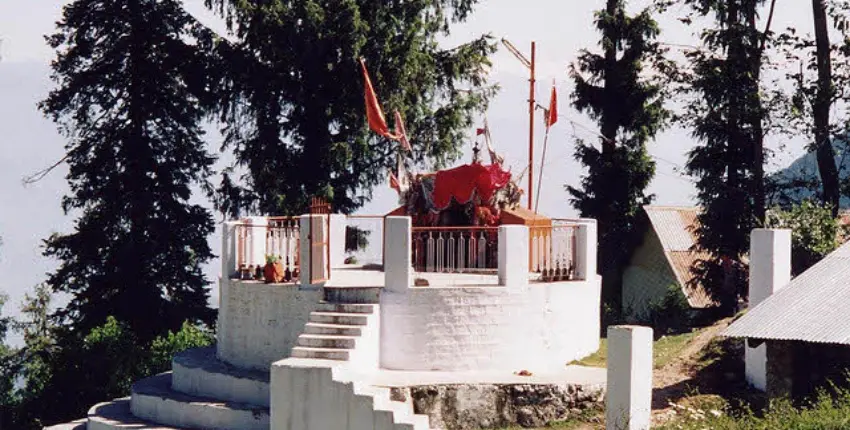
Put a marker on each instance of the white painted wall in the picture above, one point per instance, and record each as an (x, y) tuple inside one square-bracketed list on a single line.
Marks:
[(770, 270), (537, 326), (629, 394), (259, 323), (398, 269), (337, 239)]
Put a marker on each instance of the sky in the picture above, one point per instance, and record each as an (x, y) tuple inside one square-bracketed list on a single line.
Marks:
[(561, 28)]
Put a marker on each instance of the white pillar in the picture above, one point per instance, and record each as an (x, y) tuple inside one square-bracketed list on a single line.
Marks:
[(770, 270), (313, 259), (337, 239), (398, 254), (628, 401), (256, 250), (513, 256), (228, 249), (586, 244)]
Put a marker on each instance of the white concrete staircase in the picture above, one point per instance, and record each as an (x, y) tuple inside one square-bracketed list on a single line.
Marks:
[(340, 340), (200, 393), (333, 332)]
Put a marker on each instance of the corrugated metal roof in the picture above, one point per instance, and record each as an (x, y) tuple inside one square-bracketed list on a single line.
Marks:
[(814, 307), (675, 227)]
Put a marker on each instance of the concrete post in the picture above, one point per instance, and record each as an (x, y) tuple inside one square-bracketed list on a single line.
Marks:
[(228, 249), (398, 259), (256, 249), (770, 270), (313, 264), (513, 256), (586, 244), (629, 394), (337, 239)]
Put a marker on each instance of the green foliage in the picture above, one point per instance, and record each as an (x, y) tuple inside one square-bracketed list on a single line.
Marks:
[(356, 239), (610, 87), (826, 412), (814, 232), (7, 374), (272, 259), (670, 313), (725, 114), (291, 94), (128, 98), (164, 348)]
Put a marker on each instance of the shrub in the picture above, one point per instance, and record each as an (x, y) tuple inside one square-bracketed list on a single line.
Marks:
[(671, 313), (814, 232)]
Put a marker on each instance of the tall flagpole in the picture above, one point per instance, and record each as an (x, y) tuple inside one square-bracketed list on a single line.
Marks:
[(531, 131)]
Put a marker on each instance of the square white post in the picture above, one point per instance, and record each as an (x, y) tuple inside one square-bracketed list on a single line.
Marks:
[(337, 239), (257, 228), (228, 249), (313, 260), (629, 394), (586, 244), (770, 270), (398, 254), (513, 256)]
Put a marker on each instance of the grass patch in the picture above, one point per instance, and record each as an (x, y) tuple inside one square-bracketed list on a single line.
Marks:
[(664, 350)]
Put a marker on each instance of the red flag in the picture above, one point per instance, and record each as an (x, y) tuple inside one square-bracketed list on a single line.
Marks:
[(552, 113), (401, 133), (479, 131), (374, 114)]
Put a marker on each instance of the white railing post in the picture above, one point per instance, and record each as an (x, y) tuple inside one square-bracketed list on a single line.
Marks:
[(629, 394), (229, 249), (770, 270), (338, 223), (256, 249), (586, 243), (397, 261), (513, 256)]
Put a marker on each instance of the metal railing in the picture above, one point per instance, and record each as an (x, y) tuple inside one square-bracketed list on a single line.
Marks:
[(455, 249), (552, 251), (279, 238)]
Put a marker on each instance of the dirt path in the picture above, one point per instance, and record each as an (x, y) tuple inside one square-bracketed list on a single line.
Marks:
[(676, 379)]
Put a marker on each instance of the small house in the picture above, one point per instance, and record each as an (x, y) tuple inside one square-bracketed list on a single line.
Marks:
[(661, 265)]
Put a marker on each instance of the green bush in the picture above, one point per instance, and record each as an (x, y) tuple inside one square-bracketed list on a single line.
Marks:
[(671, 313), (814, 232), (826, 412), (163, 349)]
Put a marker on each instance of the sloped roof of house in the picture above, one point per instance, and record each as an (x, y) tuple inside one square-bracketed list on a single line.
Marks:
[(814, 307), (675, 227)]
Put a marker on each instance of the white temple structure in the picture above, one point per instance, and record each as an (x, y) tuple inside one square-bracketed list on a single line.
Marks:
[(339, 346)]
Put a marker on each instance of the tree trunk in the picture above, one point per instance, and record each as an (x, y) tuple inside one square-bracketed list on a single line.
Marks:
[(822, 104), (608, 127)]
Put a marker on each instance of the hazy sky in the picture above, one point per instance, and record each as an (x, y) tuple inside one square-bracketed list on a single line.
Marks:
[(28, 142)]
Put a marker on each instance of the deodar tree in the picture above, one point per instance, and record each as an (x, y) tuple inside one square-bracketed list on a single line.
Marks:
[(615, 89), (292, 101), (128, 80), (726, 116)]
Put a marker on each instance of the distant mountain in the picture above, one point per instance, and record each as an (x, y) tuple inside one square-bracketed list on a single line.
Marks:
[(801, 179)]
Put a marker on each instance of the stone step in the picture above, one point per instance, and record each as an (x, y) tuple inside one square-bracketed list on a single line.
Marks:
[(352, 294), (153, 400), (327, 341), (401, 413), (348, 308), (332, 329), (116, 415), (320, 353), (339, 318), (199, 372), (73, 425)]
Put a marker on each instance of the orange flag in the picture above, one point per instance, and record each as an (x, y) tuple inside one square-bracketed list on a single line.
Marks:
[(401, 133), (374, 114), (394, 183), (552, 113)]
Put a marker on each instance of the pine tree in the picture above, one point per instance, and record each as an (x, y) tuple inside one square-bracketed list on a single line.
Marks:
[(293, 96), (726, 116), (129, 76), (613, 89)]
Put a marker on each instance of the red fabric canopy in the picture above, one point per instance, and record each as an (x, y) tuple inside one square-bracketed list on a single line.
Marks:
[(462, 182)]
